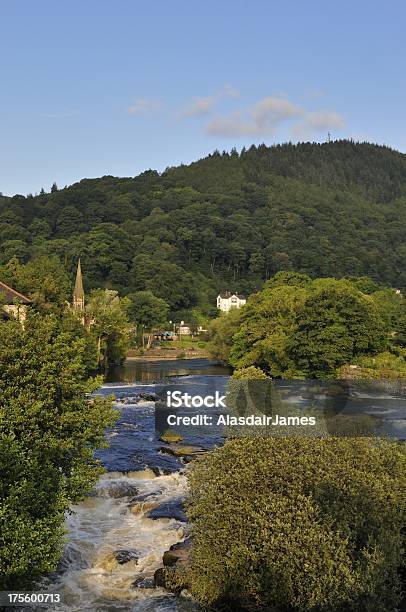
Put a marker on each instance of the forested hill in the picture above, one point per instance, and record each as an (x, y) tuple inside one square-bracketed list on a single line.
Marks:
[(227, 221)]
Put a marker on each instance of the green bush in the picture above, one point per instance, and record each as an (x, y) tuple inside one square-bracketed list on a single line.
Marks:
[(386, 366), (250, 373), (298, 524)]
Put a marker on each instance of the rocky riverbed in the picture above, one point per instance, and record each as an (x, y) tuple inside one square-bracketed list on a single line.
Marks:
[(122, 535), (132, 527)]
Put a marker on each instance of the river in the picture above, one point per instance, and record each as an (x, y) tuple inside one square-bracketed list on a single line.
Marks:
[(114, 544), (104, 527)]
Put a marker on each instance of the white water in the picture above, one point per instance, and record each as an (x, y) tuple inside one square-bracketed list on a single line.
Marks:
[(91, 578)]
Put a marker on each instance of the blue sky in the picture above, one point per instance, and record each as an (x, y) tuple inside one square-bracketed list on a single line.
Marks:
[(96, 87)]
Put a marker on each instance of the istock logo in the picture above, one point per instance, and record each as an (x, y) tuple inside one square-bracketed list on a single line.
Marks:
[(176, 399)]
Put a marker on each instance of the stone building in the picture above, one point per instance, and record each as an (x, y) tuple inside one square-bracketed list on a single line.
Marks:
[(13, 303)]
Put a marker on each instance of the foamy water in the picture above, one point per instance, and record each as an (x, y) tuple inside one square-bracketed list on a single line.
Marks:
[(91, 578), (113, 519)]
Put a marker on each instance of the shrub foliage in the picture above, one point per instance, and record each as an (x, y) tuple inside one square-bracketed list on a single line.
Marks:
[(298, 524)]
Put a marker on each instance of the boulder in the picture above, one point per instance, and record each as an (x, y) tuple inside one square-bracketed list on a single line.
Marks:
[(182, 451), (160, 577), (115, 489), (143, 582), (148, 397), (169, 509), (171, 437), (123, 556), (178, 553), (177, 557), (111, 560)]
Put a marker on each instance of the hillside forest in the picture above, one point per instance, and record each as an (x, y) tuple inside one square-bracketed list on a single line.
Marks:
[(229, 221)]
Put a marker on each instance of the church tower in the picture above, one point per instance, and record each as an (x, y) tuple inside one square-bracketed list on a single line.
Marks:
[(78, 293)]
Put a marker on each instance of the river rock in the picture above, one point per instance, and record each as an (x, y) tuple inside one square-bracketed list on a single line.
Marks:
[(143, 582), (129, 399), (144, 497), (160, 577), (148, 397), (111, 560), (182, 451), (115, 489), (139, 397), (162, 471), (125, 555), (169, 509), (178, 553), (170, 437)]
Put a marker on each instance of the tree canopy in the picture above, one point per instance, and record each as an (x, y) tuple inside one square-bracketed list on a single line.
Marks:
[(49, 429), (229, 221), (297, 326)]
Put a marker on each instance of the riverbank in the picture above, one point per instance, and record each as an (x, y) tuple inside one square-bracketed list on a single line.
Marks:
[(173, 353)]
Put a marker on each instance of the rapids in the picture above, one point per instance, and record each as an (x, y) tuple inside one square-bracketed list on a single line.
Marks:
[(113, 547), (117, 536)]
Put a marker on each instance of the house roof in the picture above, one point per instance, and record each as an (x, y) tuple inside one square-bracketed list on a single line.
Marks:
[(11, 295), (227, 295)]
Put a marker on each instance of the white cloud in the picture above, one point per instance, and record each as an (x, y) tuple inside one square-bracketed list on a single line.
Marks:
[(267, 115), (269, 112), (143, 105), (231, 125), (260, 120), (201, 106), (319, 121)]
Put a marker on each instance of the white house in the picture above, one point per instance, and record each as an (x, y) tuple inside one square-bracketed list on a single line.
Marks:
[(227, 300)]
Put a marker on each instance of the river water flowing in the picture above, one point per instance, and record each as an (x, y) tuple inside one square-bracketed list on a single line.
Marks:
[(118, 534), (113, 546)]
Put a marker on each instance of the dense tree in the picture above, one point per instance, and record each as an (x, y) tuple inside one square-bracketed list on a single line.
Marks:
[(48, 431), (43, 279), (335, 325), (14, 248), (106, 317), (226, 222), (221, 332), (301, 327), (147, 312)]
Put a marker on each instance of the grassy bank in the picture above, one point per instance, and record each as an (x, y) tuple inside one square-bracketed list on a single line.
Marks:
[(186, 348)]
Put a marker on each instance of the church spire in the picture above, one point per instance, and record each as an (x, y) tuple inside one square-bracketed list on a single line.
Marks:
[(78, 293)]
